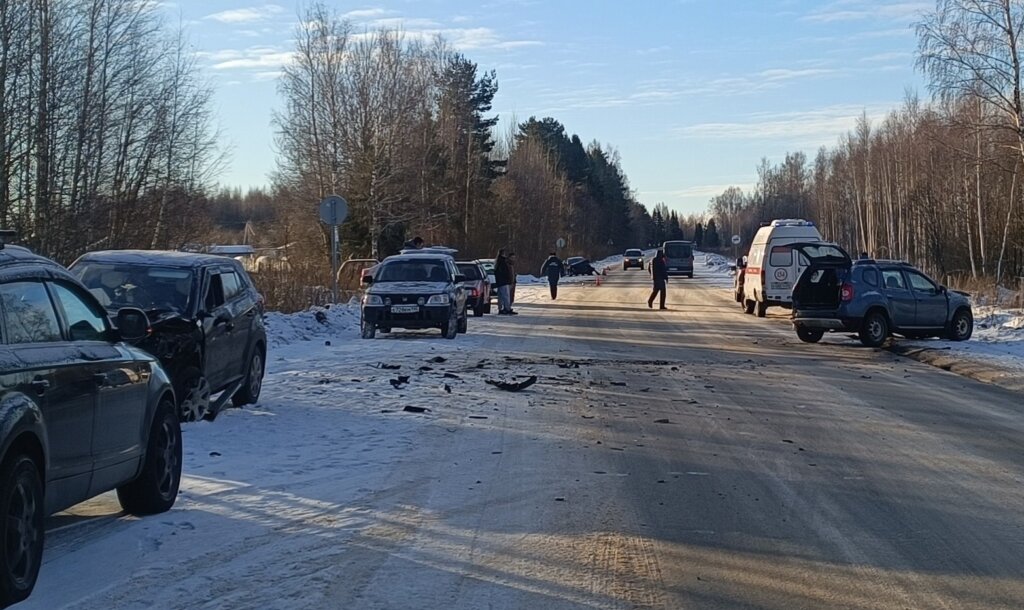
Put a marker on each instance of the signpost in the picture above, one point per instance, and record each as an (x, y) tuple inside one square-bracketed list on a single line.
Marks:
[(333, 211)]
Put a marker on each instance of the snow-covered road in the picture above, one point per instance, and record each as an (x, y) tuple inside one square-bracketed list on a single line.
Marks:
[(690, 458)]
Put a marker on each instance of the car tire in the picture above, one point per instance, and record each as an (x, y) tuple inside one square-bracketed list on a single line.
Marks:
[(249, 393), (195, 391), (689, 276), (156, 488), (367, 330), (749, 306), (478, 311), (762, 309), (809, 335), (874, 329), (961, 327), (450, 329), (22, 529), (487, 308), (462, 326)]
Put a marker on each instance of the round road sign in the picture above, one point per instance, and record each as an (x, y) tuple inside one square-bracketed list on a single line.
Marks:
[(560, 243), (736, 239), (333, 210)]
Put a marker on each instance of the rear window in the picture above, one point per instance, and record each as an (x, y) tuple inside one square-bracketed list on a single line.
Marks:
[(870, 277), (781, 256), (471, 271), (678, 250)]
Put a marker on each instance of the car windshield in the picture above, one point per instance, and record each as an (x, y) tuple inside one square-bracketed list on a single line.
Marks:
[(488, 266), (634, 253), (430, 270), (678, 250), (150, 288), (471, 271), (572, 260)]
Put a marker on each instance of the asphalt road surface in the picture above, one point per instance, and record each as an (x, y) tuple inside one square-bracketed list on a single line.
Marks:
[(690, 458)]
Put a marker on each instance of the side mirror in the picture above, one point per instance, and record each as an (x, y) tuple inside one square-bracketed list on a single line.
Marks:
[(367, 279), (132, 324), (740, 263), (942, 290), (460, 278)]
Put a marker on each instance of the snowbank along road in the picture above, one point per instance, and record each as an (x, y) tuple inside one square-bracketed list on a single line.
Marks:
[(691, 458)]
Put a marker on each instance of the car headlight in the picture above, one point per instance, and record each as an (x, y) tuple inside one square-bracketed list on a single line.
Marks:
[(372, 299), (439, 299)]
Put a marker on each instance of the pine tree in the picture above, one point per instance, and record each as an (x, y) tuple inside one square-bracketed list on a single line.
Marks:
[(711, 239), (698, 235)]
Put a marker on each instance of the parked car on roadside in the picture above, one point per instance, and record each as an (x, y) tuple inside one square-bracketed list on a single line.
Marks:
[(874, 299), (633, 258), (82, 411), (488, 265), (415, 290), (577, 265), (206, 316), (678, 257), (479, 297)]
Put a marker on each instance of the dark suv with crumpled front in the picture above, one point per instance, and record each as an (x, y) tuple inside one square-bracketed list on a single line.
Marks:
[(873, 299), (207, 320), (415, 291)]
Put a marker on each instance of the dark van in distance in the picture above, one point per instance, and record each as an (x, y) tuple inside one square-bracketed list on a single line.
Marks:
[(679, 255)]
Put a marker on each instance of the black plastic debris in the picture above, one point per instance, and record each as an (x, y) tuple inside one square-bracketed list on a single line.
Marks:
[(513, 386)]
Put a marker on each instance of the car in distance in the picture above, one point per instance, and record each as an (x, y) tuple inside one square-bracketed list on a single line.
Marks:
[(874, 299), (415, 291), (206, 316), (678, 257), (83, 412), (488, 265), (479, 297), (633, 258)]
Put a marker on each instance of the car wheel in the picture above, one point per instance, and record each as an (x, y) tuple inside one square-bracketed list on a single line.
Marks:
[(463, 324), (874, 330), (385, 329), (961, 327), (21, 508), (487, 308), (809, 335), (368, 330), (748, 306), (195, 395), (249, 393), (156, 488), (762, 309), (450, 329), (478, 311)]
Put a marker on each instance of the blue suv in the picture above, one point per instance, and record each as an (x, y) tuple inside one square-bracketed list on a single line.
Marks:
[(873, 298)]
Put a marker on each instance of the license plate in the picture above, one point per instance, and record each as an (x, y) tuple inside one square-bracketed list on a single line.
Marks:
[(780, 286), (405, 308)]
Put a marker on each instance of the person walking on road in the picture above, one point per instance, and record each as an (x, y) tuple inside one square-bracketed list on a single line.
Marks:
[(659, 273), (503, 282), (554, 268), (514, 277)]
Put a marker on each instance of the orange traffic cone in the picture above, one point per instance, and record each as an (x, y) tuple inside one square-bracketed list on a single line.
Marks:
[(598, 283)]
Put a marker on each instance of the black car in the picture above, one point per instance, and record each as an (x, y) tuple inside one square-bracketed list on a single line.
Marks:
[(415, 291), (577, 265), (873, 298), (206, 315), (82, 412)]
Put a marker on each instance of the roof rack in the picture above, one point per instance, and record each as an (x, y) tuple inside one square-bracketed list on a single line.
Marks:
[(6, 235)]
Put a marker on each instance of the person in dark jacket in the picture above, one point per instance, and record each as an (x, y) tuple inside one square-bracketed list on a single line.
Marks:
[(416, 243), (503, 282), (554, 268), (659, 273)]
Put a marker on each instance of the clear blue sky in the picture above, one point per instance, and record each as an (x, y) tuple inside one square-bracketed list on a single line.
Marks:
[(692, 93)]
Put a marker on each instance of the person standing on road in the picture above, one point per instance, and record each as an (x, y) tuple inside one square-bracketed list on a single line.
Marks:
[(659, 273), (554, 268), (503, 281)]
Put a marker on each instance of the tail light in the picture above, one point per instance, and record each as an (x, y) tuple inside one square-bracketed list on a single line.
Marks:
[(847, 292), (261, 303), (762, 276), (474, 293)]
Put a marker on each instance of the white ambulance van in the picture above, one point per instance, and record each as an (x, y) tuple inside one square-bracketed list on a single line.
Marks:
[(772, 267)]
